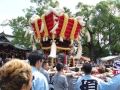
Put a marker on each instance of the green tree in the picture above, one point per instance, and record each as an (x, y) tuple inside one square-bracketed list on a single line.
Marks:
[(20, 23), (102, 22), (107, 22), (87, 11)]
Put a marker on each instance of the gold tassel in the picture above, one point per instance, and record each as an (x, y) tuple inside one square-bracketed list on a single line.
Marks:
[(34, 19), (45, 26), (73, 31), (37, 29), (42, 27), (62, 33)]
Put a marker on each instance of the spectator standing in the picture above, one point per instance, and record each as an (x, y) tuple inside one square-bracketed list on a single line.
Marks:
[(59, 79), (44, 70), (40, 82)]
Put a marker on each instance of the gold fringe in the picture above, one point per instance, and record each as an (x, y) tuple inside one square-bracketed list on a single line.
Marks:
[(46, 48), (62, 33), (73, 29), (61, 48), (45, 26), (37, 29)]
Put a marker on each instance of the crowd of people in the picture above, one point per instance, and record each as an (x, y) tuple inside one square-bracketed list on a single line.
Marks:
[(18, 74)]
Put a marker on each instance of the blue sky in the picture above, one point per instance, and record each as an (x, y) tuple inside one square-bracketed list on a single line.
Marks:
[(12, 8)]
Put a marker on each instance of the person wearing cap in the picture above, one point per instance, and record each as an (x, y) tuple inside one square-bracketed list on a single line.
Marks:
[(39, 82), (114, 83), (87, 81), (59, 79)]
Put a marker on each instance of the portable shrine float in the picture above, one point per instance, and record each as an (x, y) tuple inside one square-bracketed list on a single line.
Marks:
[(57, 32)]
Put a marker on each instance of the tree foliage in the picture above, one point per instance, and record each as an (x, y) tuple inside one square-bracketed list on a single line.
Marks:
[(102, 22), (20, 24)]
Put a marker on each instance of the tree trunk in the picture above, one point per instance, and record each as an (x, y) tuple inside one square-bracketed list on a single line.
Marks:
[(91, 47)]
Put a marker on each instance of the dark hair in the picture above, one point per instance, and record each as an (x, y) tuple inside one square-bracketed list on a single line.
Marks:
[(60, 57), (44, 62), (35, 56), (87, 68), (59, 66)]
